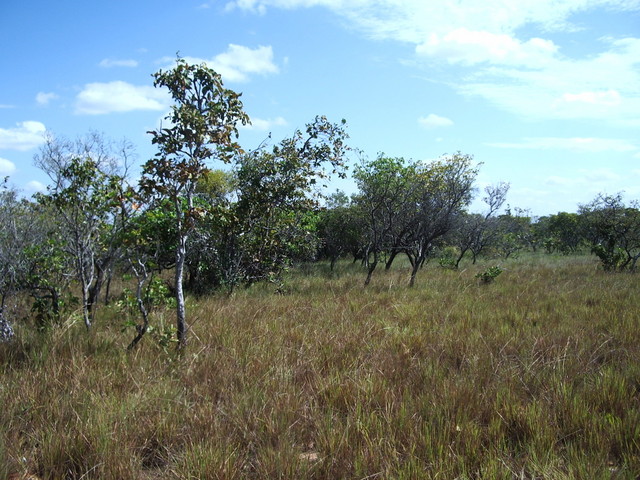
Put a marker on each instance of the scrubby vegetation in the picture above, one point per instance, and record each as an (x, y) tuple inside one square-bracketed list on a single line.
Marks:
[(534, 375)]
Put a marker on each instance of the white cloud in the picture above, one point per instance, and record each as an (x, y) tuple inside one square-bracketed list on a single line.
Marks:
[(530, 76), (6, 167), (118, 96), (414, 20), (264, 124), (43, 98), (470, 47), (25, 136), (432, 120), (239, 62), (35, 186), (109, 63), (588, 144), (608, 98), (608, 88)]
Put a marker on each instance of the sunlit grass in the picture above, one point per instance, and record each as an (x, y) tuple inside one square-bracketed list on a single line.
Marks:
[(536, 375)]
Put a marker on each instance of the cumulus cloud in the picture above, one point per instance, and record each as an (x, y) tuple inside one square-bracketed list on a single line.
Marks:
[(6, 167), (588, 144), (238, 63), (43, 98), (25, 136), (432, 121), (109, 63), (261, 124), (118, 96)]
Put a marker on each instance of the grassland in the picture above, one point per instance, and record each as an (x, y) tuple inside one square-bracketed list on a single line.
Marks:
[(536, 375)]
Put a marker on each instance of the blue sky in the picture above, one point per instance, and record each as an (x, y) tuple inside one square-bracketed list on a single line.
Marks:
[(545, 94)]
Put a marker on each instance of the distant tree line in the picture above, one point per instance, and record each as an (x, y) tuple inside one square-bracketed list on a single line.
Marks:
[(221, 229)]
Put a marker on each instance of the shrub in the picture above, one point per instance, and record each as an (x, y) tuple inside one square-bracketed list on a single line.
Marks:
[(489, 275)]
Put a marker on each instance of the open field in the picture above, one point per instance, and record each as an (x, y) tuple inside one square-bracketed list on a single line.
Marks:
[(536, 375)]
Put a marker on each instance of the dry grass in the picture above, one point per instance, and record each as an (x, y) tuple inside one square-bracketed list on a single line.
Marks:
[(534, 376)]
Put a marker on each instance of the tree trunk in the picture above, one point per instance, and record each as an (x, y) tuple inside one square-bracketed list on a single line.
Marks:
[(414, 272), (86, 309), (372, 267), (391, 258), (142, 275), (420, 258), (460, 257), (94, 290), (107, 288), (181, 323)]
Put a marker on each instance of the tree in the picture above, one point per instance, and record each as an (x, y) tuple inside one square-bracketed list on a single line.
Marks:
[(564, 232), (12, 238), (340, 228), (88, 183), (474, 232), (445, 188), (513, 232), (385, 198), (266, 216), (202, 127), (613, 229), (278, 193)]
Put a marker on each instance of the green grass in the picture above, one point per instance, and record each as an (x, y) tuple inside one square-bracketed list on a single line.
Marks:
[(536, 375)]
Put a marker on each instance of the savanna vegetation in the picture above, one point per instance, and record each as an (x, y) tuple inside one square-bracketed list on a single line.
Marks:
[(236, 323)]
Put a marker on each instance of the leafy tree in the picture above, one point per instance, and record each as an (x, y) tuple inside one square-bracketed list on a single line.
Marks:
[(145, 243), (410, 205), (564, 232), (445, 188), (385, 198), (202, 127), (48, 267), (269, 219), (13, 223), (86, 195), (340, 228), (513, 232), (613, 229)]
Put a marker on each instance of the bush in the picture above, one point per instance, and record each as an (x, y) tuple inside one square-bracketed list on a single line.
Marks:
[(489, 275)]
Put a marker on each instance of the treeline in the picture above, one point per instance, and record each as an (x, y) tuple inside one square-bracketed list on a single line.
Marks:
[(218, 229), (382, 224)]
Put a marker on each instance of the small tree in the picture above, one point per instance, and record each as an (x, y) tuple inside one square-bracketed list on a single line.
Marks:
[(386, 198), (613, 229), (474, 232), (445, 189), (340, 228), (202, 127), (12, 238), (85, 196)]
